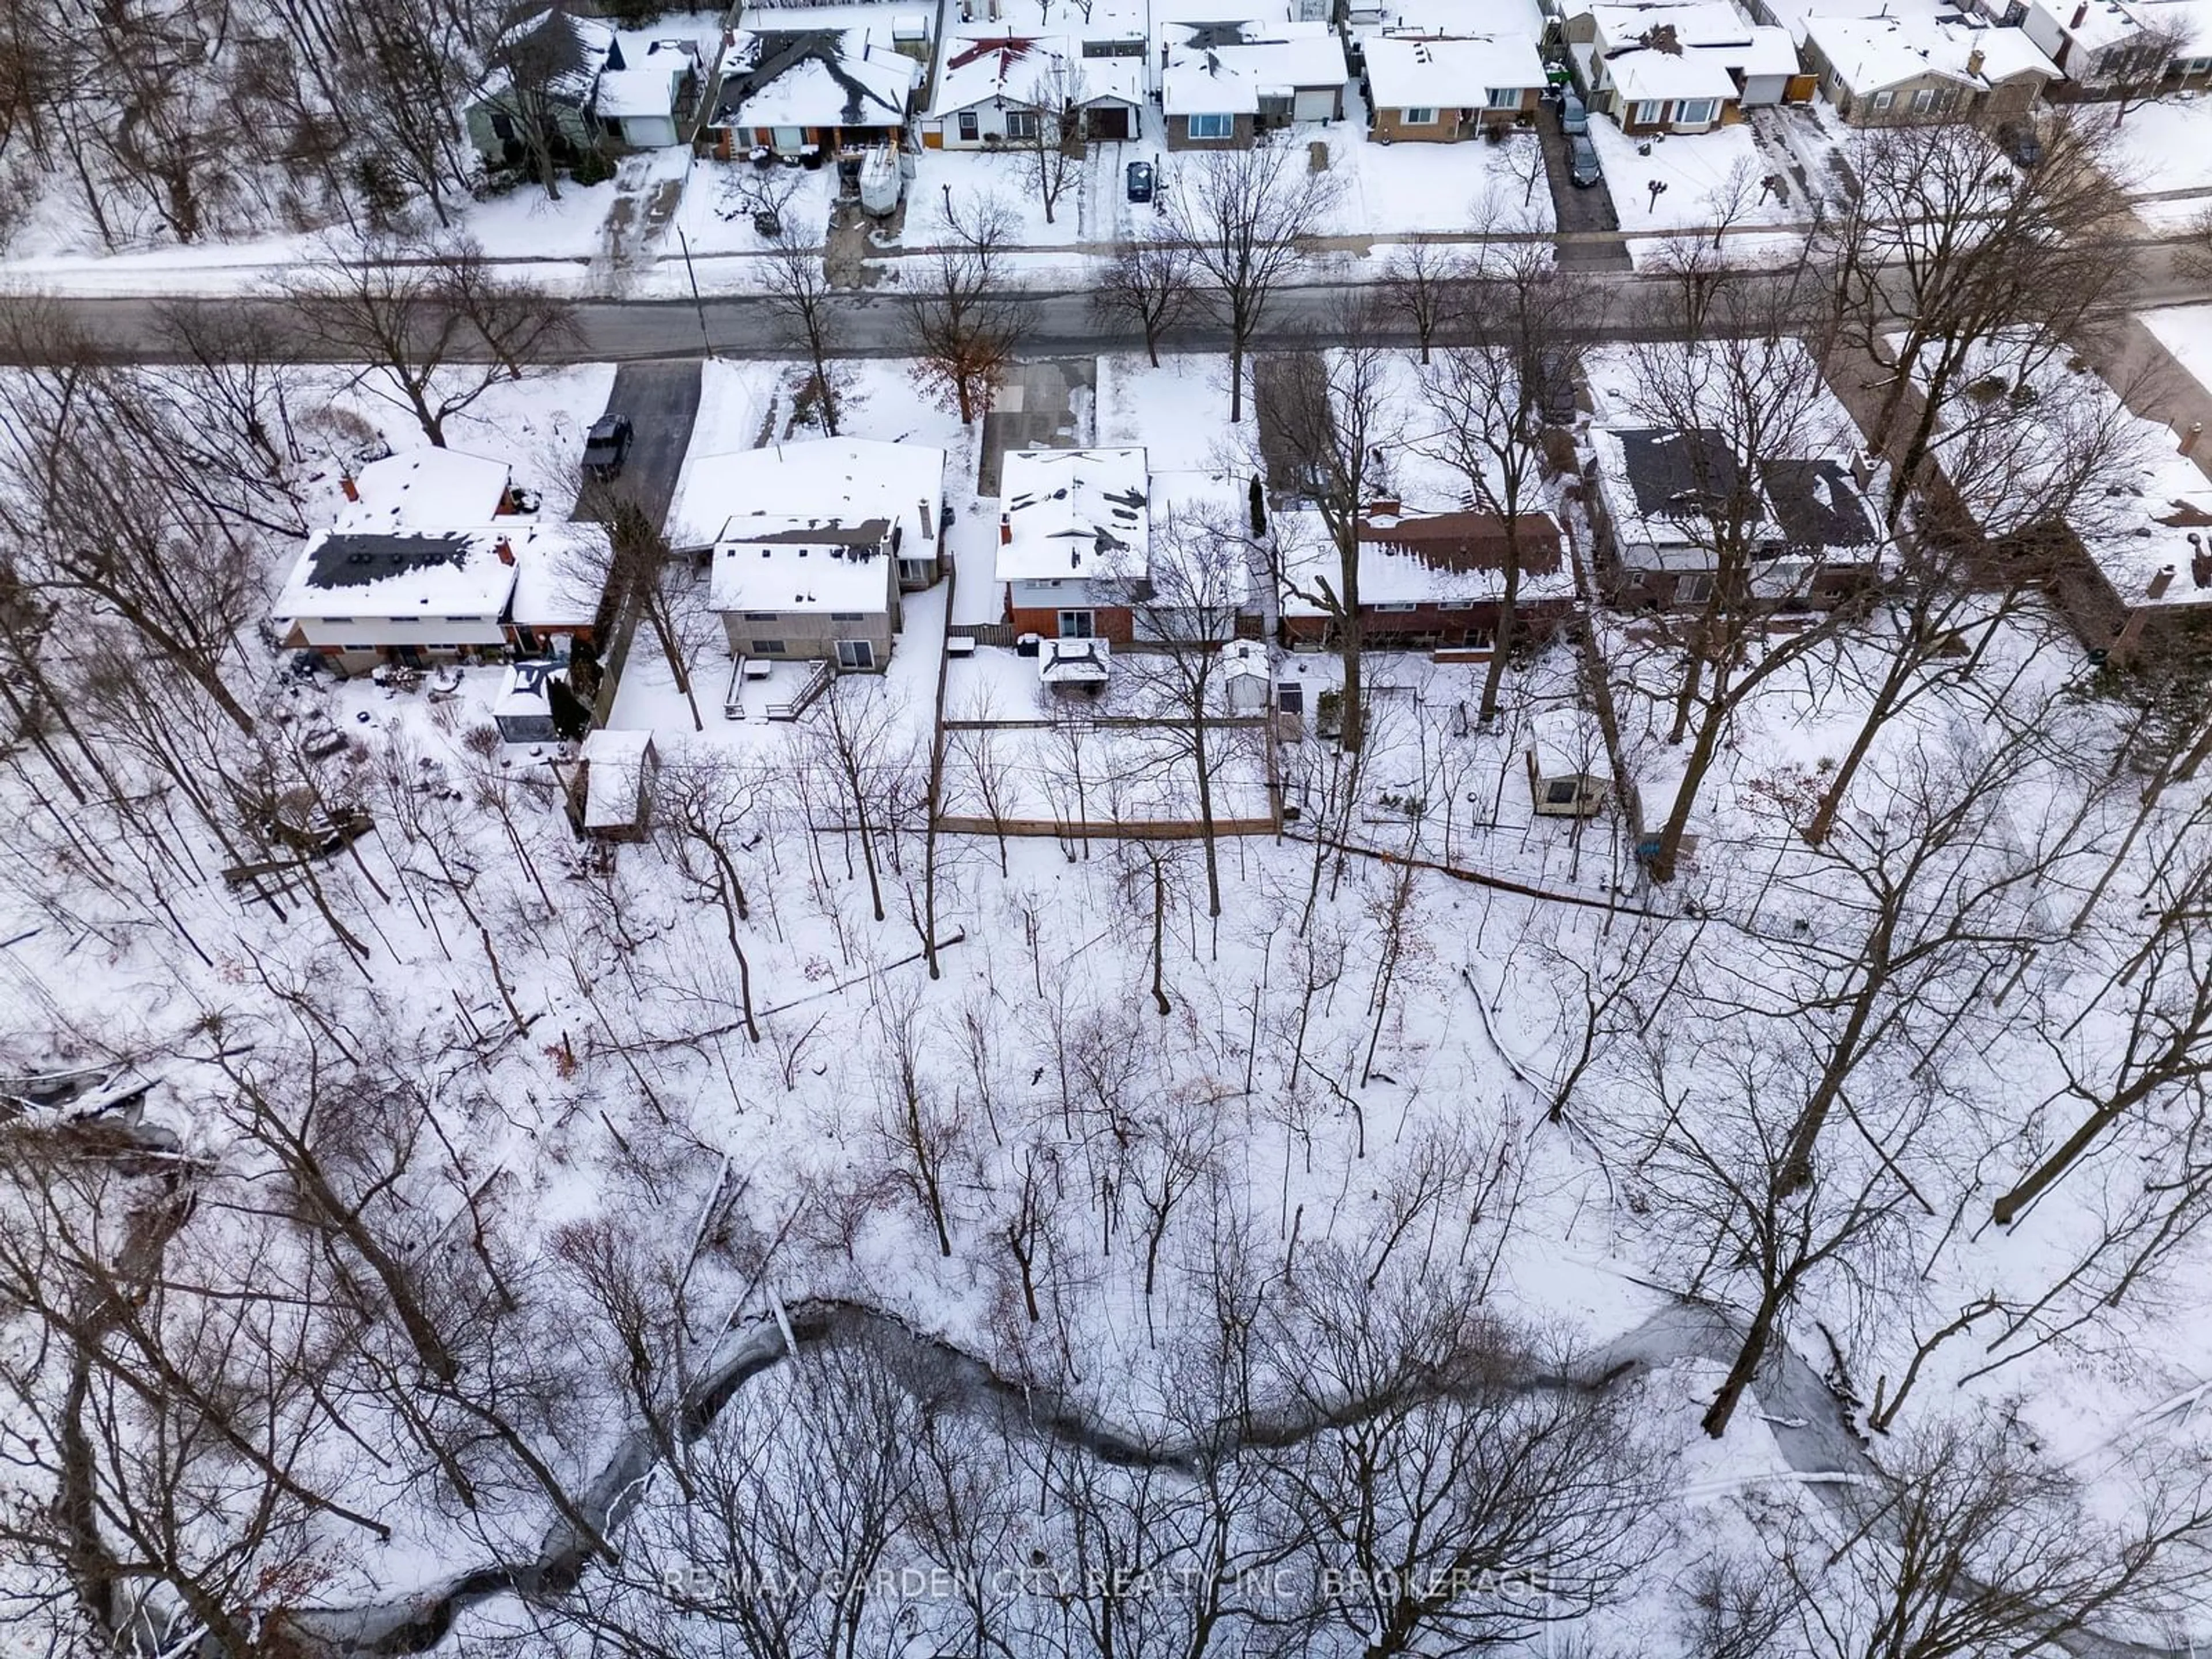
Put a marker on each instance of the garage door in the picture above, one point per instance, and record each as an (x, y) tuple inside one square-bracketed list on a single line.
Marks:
[(1314, 104), (1109, 123)]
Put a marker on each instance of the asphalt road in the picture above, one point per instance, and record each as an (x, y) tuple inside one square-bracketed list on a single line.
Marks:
[(1060, 324), (661, 398)]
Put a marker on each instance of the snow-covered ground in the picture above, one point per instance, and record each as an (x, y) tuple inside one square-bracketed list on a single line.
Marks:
[(2186, 332), (2160, 147)]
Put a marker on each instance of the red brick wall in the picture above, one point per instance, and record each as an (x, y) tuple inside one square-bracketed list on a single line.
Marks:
[(1112, 622)]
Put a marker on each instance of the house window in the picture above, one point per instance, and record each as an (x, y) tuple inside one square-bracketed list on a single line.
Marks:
[(844, 615), (1219, 126), (1421, 115), (790, 138), (1022, 126), (855, 654), (1077, 625), (1695, 589), (968, 129), (1693, 111), (1883, 100), (768, 647), (1401, 606), (502, 126), (914, 570), (1947, 101), (1560, 792), (1502, 97), (760, 615), (1455, 605), (1923, 101), (1647, 113), (337, 622)]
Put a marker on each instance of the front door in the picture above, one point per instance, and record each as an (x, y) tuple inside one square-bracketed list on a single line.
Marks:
[(855, 654), (1076, 625)]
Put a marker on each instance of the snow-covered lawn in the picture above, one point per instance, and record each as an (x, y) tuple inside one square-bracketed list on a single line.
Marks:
[(2160, 147), (2186, 332), (1437, 187), (1710, 177)]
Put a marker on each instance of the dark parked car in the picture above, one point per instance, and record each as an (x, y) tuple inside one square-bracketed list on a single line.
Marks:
[(1574, 119), (1140, 181), (2018, 140), (1582, 162), (607, 447)]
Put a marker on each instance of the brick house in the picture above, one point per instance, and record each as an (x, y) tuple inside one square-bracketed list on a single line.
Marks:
[(1883, 71), (813, 92), (1437, 90), (1074, 529), (1427, 581)]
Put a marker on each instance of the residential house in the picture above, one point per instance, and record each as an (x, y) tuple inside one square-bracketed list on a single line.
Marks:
[(1428, 582), (1662, 498), (996, 87), (811, 92), (1075, 530), (1222, 83), (1569, 772), (1205, 564), (793, 589), (847, 479), (637, 104), (416, 596), (1435, 89), (1878, 71), (2097, 42), (549, 63), (616, 778), (1681, 68)]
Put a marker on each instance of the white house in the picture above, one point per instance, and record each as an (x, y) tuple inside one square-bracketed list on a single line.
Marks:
[(848, 479), (2095, 41), (995, 87), (637, 104), (1681, 68), (1222, 83)]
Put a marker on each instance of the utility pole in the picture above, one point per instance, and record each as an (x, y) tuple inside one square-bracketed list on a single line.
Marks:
[(697, 304)]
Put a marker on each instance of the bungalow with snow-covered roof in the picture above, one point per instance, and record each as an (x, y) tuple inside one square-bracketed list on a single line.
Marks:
[(811, 92), (1435, 90), (1428, 582), (637, 104), (1222, 83), (1074, 529), (551, 61), (417, 489), (2095, 43), (1681, 68), (1880, 71), (1003, 88), (417, 596)]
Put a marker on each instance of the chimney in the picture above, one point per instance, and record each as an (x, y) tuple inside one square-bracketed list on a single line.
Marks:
[(1006, 531), (2200, 566), (2081, 15), (505, 549), (1974, 61), (2161, 581), (345, 483)]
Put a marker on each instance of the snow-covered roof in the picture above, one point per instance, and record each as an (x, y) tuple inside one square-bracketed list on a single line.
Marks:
[(1001, 62), (807, 567), (847, 478), (593, 43), (822, 78), (1216, 68), (1074, 513), (1075, 662), (525, 689), (420, 487), (560, 574), (429, 574), (615, 777), (1444, 558), (648, 90), (1430, 74), (2191, 18), (1191, 513), (1461, 17), (1870, 53)]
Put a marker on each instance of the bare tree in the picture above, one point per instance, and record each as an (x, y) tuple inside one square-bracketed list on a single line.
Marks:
[(1420, 285), (1148, 282), (2140, 68), (1045, 127), (861, 743), (1325, 420), (797, 288), (538, 60), (1247, 215), (962, 317), (426, 326)]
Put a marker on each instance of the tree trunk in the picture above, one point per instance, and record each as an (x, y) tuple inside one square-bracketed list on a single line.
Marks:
[(1715, 1419)]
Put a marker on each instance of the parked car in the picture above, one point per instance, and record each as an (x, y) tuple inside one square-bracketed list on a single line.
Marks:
[(1574, 119), (2018, 140), (607, 446), (1582, 162), (1139, 175)]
